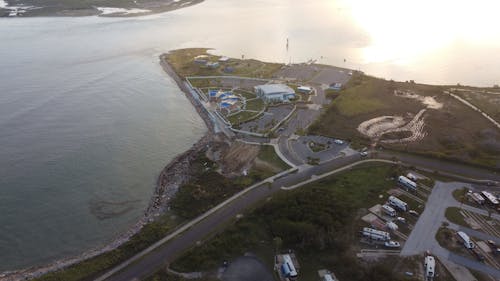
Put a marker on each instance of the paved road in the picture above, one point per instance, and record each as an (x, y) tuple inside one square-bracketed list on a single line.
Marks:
[(457, 170)]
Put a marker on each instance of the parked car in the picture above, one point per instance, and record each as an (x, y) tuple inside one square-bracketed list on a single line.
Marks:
[(413, 213), (363, 153), (392, 244), (401, 219), (339, 142)]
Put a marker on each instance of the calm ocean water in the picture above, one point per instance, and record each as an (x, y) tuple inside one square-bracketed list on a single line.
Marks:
[(88, 118)]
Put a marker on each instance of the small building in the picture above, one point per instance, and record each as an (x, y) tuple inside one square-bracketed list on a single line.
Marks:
[(224, 59), (304, 89), (274, 92), (212, 64)]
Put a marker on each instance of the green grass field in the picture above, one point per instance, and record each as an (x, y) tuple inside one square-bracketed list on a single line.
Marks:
[(453, 215), (268, 155), (242, 117), (255, 104)]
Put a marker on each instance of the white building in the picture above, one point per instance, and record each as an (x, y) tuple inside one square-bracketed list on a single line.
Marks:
[(274, 92)]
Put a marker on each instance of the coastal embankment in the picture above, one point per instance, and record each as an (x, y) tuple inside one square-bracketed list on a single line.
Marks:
[(174, 175)]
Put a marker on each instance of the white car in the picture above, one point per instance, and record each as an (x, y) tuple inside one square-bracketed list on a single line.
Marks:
[(392, 244), (363, 153), (339, 142)]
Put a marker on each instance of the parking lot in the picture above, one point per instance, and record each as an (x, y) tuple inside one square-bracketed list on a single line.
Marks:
[(269, 119), (317, 147)]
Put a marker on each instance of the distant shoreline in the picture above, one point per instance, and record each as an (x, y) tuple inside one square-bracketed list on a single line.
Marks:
[(106, 8)]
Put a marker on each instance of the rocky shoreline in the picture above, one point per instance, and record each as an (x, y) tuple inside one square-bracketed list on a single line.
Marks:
[(170, 179)]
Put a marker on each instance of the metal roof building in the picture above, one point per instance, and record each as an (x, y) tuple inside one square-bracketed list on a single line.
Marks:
[(274, 92)]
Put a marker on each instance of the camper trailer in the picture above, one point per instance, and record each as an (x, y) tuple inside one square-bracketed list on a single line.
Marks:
[(430, 267), (398, 203), (389, 210), (466, 239), (407, 183), (374, 234)]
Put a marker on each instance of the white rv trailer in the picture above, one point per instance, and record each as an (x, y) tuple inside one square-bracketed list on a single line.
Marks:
[(466, 239), (490, 198), (375, 234), (407, 183), (398, 203), (430, 267), (477, 198), (389, 210)]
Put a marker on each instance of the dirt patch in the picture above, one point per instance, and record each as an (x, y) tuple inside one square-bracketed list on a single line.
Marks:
[(380, 128), (238, 157)]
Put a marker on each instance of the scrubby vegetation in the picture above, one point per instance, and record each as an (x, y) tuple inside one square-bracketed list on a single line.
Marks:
[(89, 269), (208, 188), (182, 61), (318, 221)]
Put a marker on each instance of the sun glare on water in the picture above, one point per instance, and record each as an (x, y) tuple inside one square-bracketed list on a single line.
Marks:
[(401, 30)]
